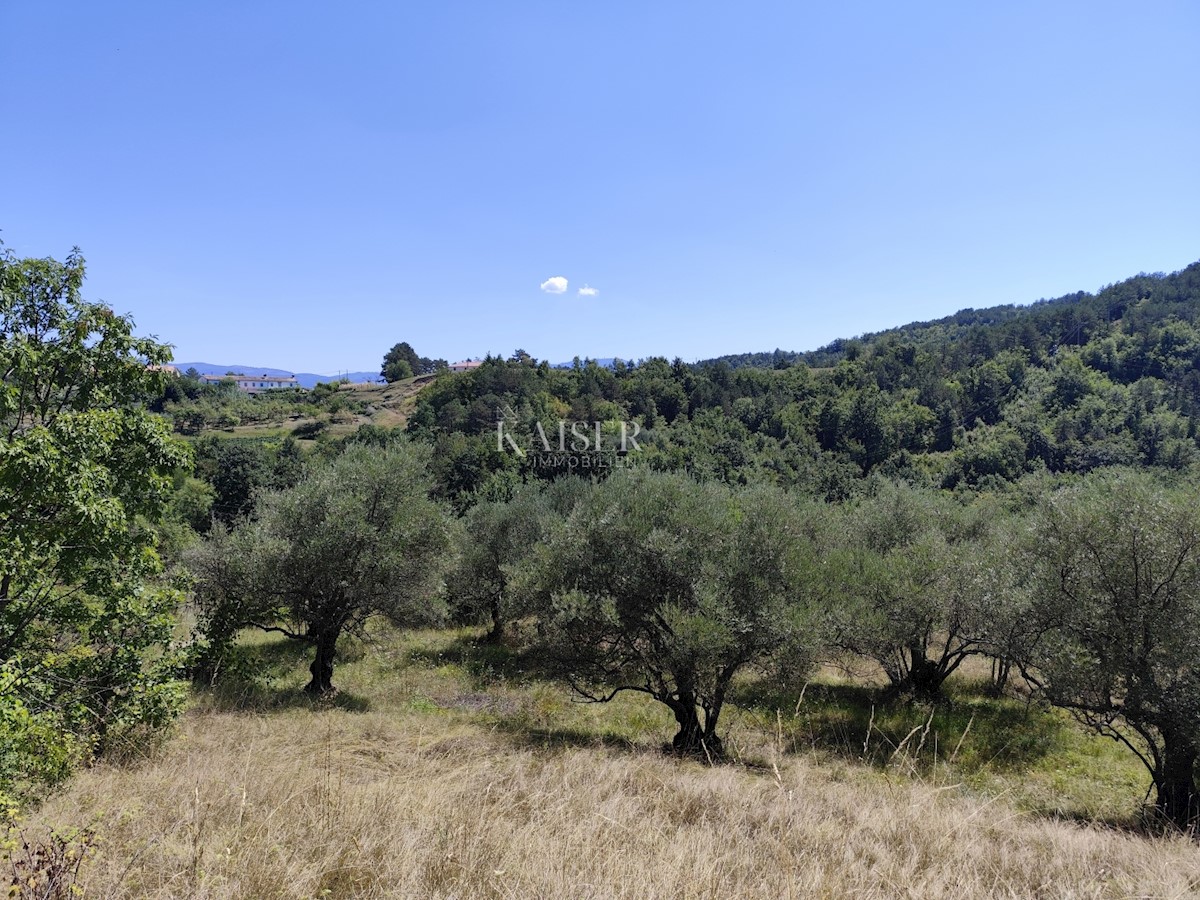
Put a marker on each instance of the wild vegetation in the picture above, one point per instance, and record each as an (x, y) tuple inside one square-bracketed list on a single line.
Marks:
[(357, 538), (85, 618), (949, 574)]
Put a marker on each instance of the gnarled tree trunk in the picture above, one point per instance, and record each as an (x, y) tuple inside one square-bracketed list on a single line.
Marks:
[(1001, 668), (496, 608), (1175, 783), (917, 675), (322, 665), (925, 677), (696, 737)]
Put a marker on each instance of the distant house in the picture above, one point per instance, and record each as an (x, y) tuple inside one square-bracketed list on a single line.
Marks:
[(253, 384), (466, 365)]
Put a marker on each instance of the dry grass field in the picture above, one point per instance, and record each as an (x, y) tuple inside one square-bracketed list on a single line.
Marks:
[(444, 773)]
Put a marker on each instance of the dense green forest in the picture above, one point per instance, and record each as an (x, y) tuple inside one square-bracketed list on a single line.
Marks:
[(975, 400), (1010, 484)]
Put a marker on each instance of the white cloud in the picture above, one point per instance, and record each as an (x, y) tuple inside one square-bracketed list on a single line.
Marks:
[(555, 285), (586, 291)]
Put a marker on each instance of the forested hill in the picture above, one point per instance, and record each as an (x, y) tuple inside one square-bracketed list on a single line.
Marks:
[(970, 335), (978, 399)]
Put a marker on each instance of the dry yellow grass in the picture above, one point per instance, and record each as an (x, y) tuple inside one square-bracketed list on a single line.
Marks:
[(420, 796), (392, 403)]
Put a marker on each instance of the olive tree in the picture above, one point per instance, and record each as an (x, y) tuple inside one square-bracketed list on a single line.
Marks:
[(916, 595), (496, 538), (660, 585), (357, 537), (1118, 602)]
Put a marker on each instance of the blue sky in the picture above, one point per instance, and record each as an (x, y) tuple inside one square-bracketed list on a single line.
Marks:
[(304, 184)]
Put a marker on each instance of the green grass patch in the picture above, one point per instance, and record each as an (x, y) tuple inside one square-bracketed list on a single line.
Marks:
[(1037, 756)]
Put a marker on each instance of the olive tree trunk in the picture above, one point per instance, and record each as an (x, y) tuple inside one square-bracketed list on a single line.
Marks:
[(322, 665), (496, 607), (1175, 783), (697, 736)]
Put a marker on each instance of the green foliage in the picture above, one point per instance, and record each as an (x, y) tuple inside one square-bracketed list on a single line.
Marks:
[(496, 538), (236, 469), (975, 400), (85, 470), (397, 370), (403, 362), (1118, 599), (192, 503), (356, 537), (660, 585), (915, 591), (240, 471), (36, 752)]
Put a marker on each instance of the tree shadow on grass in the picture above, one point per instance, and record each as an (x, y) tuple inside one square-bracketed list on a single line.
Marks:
[(263, 677), (971, 733), (526, 736), (483, 660), (1146, 824), (858, 722), (488, 663), (251, 697)]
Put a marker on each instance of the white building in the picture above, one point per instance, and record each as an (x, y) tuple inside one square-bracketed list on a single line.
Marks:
[(466, 365), (253, 384)]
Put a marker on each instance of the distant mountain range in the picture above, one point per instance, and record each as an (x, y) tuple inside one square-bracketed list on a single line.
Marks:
[(309, 379), (605, 362), (305, 379)]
